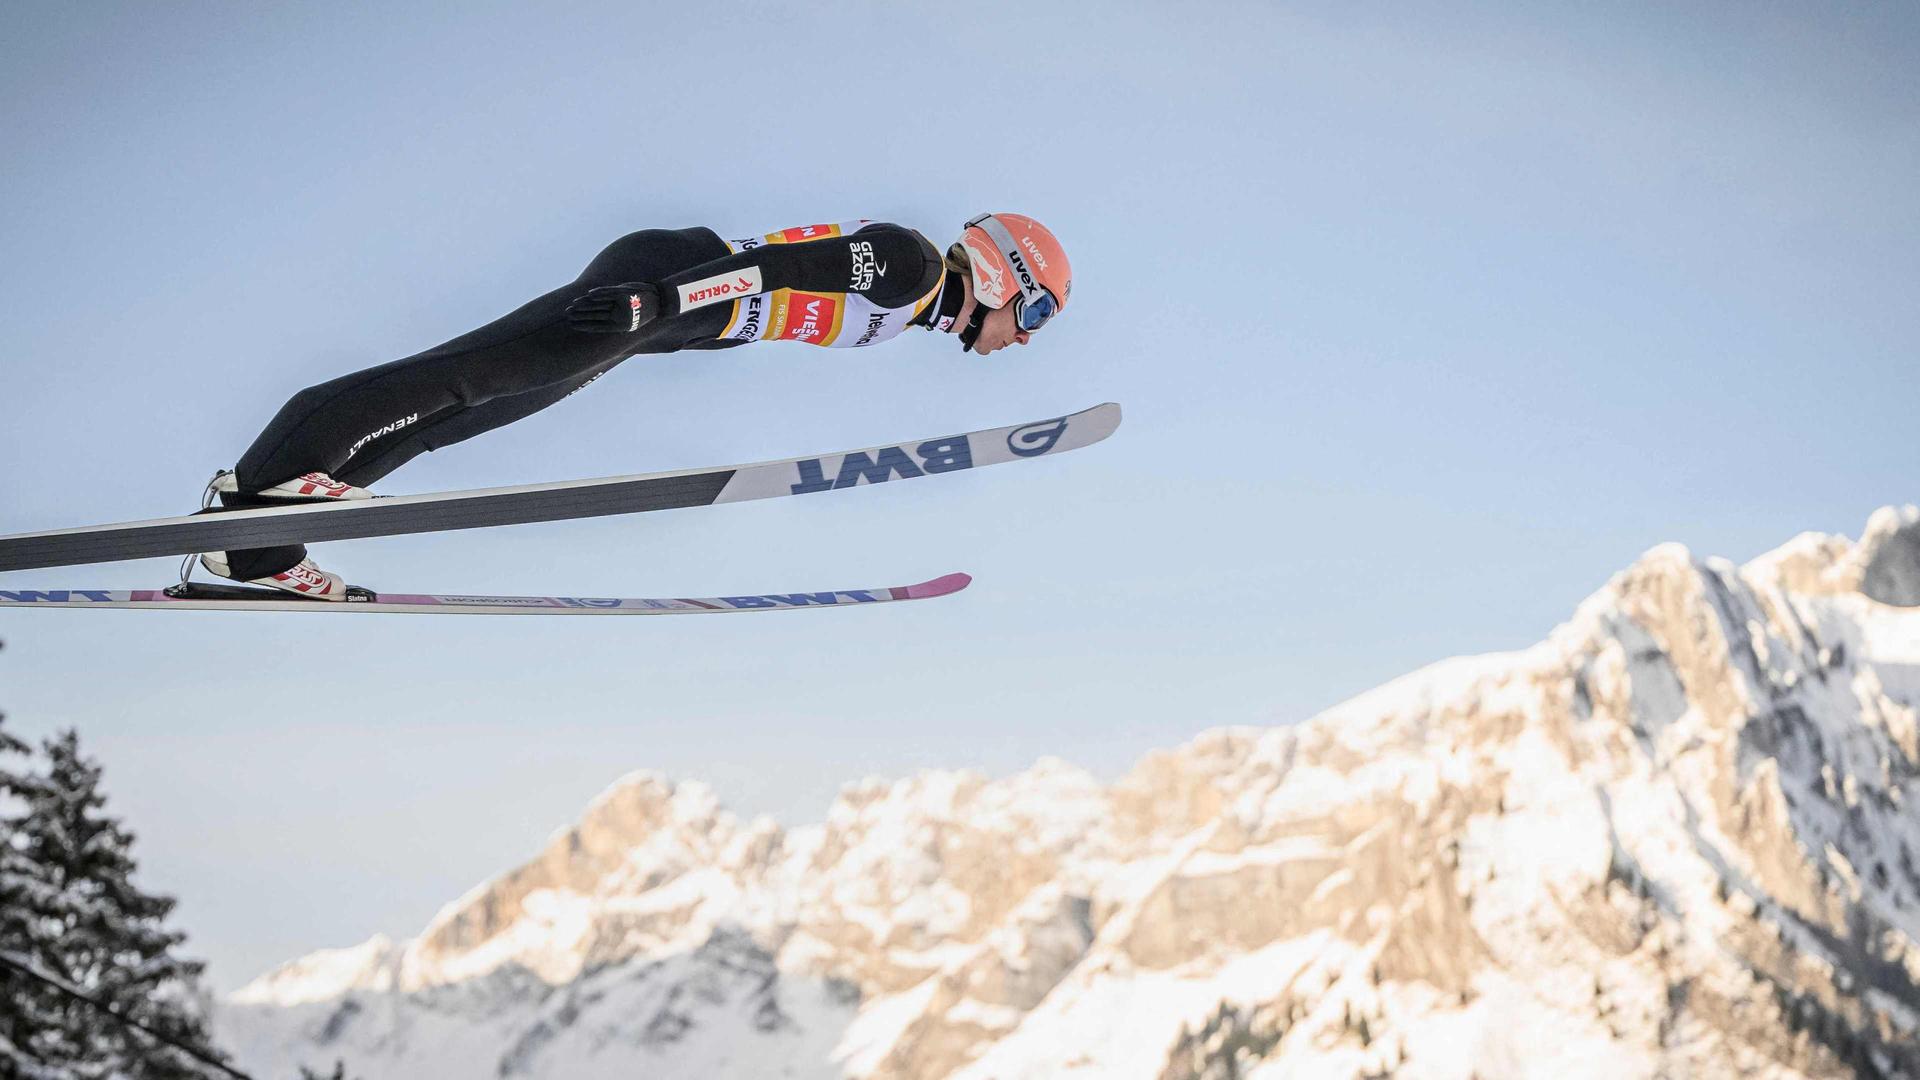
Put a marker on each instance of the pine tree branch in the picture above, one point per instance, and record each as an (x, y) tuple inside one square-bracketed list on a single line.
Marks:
[(26, 968)]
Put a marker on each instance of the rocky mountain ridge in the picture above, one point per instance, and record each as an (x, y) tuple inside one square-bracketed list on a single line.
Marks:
[(1679, 836)]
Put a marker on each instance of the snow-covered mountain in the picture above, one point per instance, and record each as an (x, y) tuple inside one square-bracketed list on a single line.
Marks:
[(1681, 837)]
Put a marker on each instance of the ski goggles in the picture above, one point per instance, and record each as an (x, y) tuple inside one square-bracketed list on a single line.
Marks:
[(1032, 316)]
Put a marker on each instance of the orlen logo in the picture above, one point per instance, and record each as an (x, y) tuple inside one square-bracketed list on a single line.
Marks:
[(725, 288), (1034, 250), (808, 232), (719, 287)]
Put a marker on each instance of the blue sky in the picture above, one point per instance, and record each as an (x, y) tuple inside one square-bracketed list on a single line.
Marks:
[(1426, 321)]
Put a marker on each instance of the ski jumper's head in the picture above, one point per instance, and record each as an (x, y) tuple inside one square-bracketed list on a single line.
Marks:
[(1017, 278)]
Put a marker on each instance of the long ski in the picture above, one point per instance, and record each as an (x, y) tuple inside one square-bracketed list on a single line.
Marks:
[(196, 596), (224, 530)]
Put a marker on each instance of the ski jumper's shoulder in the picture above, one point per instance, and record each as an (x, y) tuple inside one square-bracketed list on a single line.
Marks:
[(914, 264), (846, 284)]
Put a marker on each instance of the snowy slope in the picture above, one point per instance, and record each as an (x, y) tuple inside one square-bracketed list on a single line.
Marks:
[(1679, 837)]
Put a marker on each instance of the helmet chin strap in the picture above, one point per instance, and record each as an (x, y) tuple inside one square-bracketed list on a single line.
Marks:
[(970, 333)]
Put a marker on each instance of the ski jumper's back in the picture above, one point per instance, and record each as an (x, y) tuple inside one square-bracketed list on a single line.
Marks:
[(849, 284), (841, 285), (866, 288)]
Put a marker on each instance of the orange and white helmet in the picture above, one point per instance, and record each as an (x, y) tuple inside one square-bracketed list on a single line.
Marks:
[(1015, 259)]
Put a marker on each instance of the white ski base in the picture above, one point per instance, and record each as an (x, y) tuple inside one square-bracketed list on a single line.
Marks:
[(198, 597)]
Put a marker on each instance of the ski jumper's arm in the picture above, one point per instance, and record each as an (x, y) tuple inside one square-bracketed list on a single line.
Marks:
[(890, 265)]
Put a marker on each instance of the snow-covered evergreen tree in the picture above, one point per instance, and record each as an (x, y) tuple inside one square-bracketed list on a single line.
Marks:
[(69, 910)]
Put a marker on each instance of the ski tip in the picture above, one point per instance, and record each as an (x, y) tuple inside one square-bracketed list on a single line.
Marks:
[(1105, 419), (940, 586)]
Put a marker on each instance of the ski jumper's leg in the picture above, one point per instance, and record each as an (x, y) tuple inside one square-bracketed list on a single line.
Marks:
[(525, 361), (455, 426), (325, 427)]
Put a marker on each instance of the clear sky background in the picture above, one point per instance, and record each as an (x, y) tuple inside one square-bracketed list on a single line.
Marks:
[(1426, 321)]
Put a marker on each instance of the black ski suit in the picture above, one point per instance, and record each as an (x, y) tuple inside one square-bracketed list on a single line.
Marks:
[(360, 427)]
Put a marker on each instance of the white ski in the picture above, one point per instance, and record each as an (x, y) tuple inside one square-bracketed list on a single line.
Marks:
[(227, 530), (196, 596)]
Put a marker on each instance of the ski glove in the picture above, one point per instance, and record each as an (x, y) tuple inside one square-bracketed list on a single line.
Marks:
[(615, 309)]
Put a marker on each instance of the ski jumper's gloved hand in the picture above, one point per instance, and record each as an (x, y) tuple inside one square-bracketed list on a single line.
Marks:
[(615, 309)]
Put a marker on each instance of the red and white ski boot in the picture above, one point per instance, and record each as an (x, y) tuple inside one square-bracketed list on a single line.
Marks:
[(304, 579), (307, 487)]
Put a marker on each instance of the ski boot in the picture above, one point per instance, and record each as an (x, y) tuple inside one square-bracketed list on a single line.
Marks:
[(304, 578), (307, 487)]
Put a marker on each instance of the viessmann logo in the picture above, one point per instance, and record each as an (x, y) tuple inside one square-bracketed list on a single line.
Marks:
[(815, 316)]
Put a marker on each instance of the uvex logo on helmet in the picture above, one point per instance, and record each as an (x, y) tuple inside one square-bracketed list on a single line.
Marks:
[(1020, 268)]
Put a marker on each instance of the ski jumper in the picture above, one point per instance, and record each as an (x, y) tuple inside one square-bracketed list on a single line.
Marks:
[(840, 286)]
